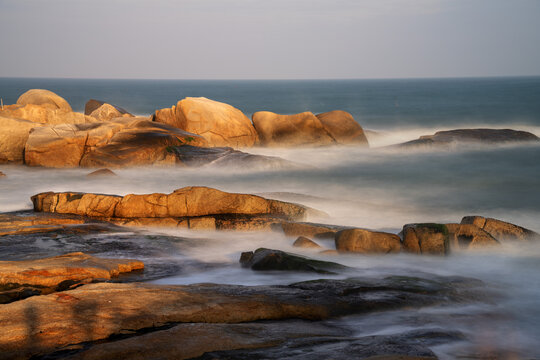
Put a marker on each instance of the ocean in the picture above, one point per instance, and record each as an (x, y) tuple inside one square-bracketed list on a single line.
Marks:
[(378, 188)]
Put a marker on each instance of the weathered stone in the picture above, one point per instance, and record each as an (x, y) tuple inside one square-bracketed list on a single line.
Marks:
[(102, 173), (481, 136), (13, 136), (343, 128), (426, 238), (93, 104), (310, 230), (185, 202), (302, 129), (107, 112), (267, 259), (45, 115), (2, 174), (304, 242), (501, 230), (469, 236), (367, 242), (45, 324), (219, 123), (50, 272), (44, 98)]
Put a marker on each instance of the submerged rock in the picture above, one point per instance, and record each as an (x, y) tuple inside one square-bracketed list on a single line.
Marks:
[(482, 136), (367, 242), (501, 230), (102, 173), (219, 123), (427, 238), (267, 259)]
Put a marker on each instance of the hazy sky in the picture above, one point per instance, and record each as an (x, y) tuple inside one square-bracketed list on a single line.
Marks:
[(269, 39)]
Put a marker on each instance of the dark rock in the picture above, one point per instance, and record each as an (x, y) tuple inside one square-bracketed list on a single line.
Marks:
[(304, 242), (93, 104), (482, 136), (102, 173), (428, 238), (267, 259)]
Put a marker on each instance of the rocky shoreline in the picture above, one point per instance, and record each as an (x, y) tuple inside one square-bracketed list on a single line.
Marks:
[(76, 304)]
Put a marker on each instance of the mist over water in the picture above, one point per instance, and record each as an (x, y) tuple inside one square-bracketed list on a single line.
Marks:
[(377, 188)]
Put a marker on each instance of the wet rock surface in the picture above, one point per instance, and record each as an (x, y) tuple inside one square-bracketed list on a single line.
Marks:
[(268, 259)]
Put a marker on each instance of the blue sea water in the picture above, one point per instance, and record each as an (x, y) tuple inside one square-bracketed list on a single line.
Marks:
[(377, 104)]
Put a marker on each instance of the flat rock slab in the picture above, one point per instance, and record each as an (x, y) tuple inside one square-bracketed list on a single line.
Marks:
[(45, 324)]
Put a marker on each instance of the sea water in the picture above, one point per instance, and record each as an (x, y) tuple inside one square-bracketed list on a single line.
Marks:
[(377, 188)]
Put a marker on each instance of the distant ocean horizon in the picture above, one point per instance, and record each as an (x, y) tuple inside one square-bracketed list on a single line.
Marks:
[(375, 103)]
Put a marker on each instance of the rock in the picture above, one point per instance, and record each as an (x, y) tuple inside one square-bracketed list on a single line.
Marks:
[(228, 157), (428, 238), (93, 104), (329, 252), (481, 136), (304, 242), (102, 173), (303, 129), (469, 236), (307, 129), (45, 115), (320, 231), (267, 259), (13, 136), (117, 143), (219, 123), (184, 202), (44, 98), (107, 112), (186, 341), (50, 272), (367, 242), (2, 174), (501, 230), (343, 128), (46, 324)]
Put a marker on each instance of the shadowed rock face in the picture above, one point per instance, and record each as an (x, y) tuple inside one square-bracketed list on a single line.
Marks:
[(482, 136), (44, 324), (304, 242), (426, 238), (501, 230), (367, 242), (185, 202), (93, 104), (267, 259), (219, 123), (307, 129)]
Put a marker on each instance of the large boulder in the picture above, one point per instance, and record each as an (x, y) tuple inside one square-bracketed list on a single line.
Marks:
[(478, 136), (428, 238), (184, 202), (307, 129), (469, 236), (44, 98), (13, 136), (44, 107), (267, 259), (107, 112), (343, 128), (501, 230), (219, 123), (367, 242)]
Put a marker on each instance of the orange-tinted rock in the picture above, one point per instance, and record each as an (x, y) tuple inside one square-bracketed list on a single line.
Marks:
[(2, 174), (469, 236), (343, 128), (219, 123), (304, 242), (501, 230), (50, 272), (102, 173), (367, 242), (426, 238), (93, 104), (302, 129), (44, 98), (13, 136), (185, 202), (107, 112), (308, 230)]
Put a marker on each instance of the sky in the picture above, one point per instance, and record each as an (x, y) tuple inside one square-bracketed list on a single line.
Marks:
[(269, 39)]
